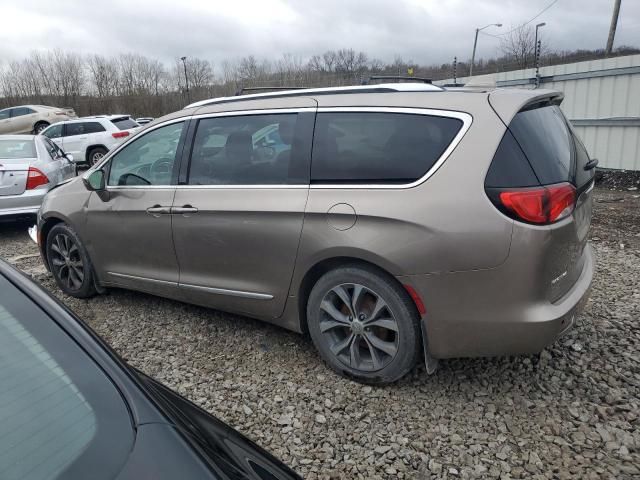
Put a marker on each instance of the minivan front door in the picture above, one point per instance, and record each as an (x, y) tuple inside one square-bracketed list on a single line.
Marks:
[(129, 224), (237, 221)]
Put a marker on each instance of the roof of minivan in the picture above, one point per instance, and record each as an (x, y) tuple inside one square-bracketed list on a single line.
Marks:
[(505, 101)]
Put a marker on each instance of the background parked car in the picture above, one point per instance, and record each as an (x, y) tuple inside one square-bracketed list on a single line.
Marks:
[(88, 139), (30, 166), (71, 408), (32, 118), (144, 120)]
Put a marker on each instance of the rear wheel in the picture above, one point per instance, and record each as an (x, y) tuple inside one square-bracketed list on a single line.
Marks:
[(69, 262), (364, 325), (39, 127), (96, 154)]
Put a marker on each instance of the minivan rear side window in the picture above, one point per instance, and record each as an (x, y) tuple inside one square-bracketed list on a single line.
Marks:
[(269, 149), (378, 147)]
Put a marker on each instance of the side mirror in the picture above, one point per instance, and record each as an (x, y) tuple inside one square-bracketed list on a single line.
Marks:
[(95, 181)]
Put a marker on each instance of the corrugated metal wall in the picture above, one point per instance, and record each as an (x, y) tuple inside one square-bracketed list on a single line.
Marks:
[(602, 99)]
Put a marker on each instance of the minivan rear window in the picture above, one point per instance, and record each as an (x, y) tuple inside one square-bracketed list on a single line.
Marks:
[(377, 147), (545, 139)]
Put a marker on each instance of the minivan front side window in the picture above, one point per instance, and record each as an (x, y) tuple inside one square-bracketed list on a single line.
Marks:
[(148, 160)]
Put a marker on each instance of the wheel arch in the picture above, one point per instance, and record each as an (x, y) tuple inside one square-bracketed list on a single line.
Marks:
[(90, 148), (47, 225), (319, 268)]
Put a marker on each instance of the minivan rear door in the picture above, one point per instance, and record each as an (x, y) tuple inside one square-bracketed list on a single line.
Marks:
[(239, 208), (557, 155)]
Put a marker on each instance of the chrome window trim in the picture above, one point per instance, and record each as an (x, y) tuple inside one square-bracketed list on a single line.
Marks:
[(466, 119), (265, 111), (224, 291)]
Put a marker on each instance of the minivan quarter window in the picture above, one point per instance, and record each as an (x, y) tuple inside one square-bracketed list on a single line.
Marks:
[(250, 150), (378, 147), (148, 160)]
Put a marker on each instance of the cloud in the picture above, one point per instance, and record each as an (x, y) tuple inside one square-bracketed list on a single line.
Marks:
[(426, 31)]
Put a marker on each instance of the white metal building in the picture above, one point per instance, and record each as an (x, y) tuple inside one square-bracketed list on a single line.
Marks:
[(602, 100)]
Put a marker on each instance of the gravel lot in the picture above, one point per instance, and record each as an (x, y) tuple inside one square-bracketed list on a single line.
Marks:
[(570, 413)]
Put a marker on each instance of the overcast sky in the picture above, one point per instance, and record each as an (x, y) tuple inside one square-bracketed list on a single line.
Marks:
[(425, 31)]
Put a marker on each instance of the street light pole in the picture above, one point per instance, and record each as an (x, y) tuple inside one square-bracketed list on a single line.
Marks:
[(186, 78), (475, 44)]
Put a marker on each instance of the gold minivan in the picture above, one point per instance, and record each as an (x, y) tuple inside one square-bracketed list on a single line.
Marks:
[(391, 222)]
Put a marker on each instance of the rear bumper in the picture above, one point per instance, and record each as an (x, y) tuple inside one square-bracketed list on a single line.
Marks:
[(27, 203), (482, 313)]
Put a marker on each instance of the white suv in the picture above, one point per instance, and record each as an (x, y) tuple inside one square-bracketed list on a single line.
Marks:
[(88, 139)]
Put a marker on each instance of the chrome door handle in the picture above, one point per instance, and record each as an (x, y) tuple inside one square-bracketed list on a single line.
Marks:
[(157, 210), (185, 209)]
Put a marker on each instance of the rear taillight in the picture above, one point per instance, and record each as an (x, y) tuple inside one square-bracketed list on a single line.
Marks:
[(120, 134), (539, 205), (35, 178)]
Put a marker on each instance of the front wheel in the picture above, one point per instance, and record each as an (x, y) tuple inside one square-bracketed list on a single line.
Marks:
[(69, 262), (364, 324)]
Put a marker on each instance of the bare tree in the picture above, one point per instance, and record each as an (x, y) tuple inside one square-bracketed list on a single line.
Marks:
[(200, 72), (519, 46), (103, 73)]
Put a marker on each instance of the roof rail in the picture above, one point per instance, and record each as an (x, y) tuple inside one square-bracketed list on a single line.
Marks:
[(395, 77), (378, 88), (265, 89)]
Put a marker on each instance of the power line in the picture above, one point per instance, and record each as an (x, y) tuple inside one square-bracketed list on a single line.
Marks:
[(528, 21)]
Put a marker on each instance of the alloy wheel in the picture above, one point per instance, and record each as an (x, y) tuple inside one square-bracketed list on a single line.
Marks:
[(96, 157), (359, 327), (67, 262)]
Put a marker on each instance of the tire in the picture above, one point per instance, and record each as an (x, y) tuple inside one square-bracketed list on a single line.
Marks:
[(95, 155), (69, 262), (385, 336), (39, 127)]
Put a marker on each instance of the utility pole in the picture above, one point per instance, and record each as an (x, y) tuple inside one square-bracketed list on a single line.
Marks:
[(186, 78), (612, 28), (538, 45), (455, 70), (475, 44)]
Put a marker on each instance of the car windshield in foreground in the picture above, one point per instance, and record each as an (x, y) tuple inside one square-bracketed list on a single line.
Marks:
[(61, 416), (124, 123), (17, 149)]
